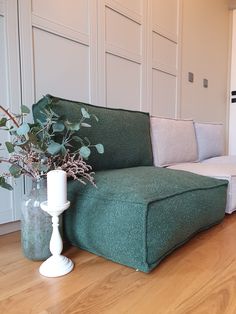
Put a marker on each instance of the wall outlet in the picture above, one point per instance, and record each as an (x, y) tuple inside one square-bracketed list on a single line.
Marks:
[(190, 77), (205, 83)]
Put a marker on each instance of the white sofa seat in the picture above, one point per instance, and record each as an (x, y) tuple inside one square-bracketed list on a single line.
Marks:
[(217, 167), (195, 147)]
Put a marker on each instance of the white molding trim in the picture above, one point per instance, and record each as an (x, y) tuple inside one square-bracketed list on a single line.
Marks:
[(179, 60), (59, 29), (149, 56), (116, 6), (164, 68), (101, 57), (165, 33), (26, 48), (144, 105), (13, 64), (93, 45), (123, 53), (9, 227)]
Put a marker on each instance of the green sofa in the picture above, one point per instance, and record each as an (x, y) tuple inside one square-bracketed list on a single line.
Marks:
[(138, 214)]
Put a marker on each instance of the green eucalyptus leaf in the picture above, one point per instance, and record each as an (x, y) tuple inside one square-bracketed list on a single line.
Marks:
[(5, 185), (23, 129), (15, 171), (72, 126), (42, 124), (54, 148), (10, 147), (3, 122), (85, 113), (86, 125), (58, 126), (84, 152), (77, 139), (25, 109), (44, 168), (95, 117), (63, 150), (100, 148)]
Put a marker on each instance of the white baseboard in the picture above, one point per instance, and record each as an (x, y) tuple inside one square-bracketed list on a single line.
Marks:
[(9, 227)]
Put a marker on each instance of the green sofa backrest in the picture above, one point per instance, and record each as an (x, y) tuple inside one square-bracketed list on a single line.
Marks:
[(125, 134)]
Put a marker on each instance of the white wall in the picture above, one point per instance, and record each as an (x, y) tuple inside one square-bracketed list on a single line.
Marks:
[(205, 51)]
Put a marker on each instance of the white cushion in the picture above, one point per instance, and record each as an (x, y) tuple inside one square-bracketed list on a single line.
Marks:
[(210, 140), (173, 141), (218, 171), (229, 159)]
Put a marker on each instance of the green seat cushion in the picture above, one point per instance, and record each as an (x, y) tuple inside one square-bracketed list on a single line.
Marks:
[(136, 216), (125, 134)]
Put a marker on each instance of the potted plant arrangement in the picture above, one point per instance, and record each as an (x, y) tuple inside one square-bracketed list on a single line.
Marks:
[(33, 150)]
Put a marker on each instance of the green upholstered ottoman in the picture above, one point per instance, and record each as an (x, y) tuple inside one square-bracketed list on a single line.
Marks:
[(137, 216)]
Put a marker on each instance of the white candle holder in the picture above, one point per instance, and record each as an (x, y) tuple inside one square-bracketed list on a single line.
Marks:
[(57, 264)]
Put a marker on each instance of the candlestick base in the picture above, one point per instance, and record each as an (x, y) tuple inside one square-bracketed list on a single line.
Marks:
[(56, 266)]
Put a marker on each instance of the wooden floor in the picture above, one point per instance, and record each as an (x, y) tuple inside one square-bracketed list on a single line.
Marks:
[(200, 277)]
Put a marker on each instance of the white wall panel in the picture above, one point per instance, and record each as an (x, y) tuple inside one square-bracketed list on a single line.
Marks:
[(163, 94), (122, 83), (122, 32), (164, 57), (61, 68), (71, 13), (6, 213), (9, 98), (165, 17), (3, 63), (123, 51), (164, 53)]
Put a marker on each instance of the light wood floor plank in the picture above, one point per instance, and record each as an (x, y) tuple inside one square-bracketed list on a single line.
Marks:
[(198, 278)]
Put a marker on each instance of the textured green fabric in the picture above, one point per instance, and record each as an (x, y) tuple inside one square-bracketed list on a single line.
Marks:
[(136, 216), (125, 134)]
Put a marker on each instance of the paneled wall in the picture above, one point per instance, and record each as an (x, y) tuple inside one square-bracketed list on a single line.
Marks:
[(112, 53)]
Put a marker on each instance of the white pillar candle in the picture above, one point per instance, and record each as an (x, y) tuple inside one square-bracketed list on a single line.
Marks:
[(56, 188)]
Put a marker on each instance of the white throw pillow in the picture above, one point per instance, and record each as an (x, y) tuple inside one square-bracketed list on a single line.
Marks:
[(210, 140), (173, 141)]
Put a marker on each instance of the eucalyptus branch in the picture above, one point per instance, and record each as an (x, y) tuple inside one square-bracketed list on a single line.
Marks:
[(7, 113), (34, 149), (23, 170)]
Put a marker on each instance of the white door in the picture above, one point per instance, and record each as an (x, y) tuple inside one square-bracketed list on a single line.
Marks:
[(232, 117)]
